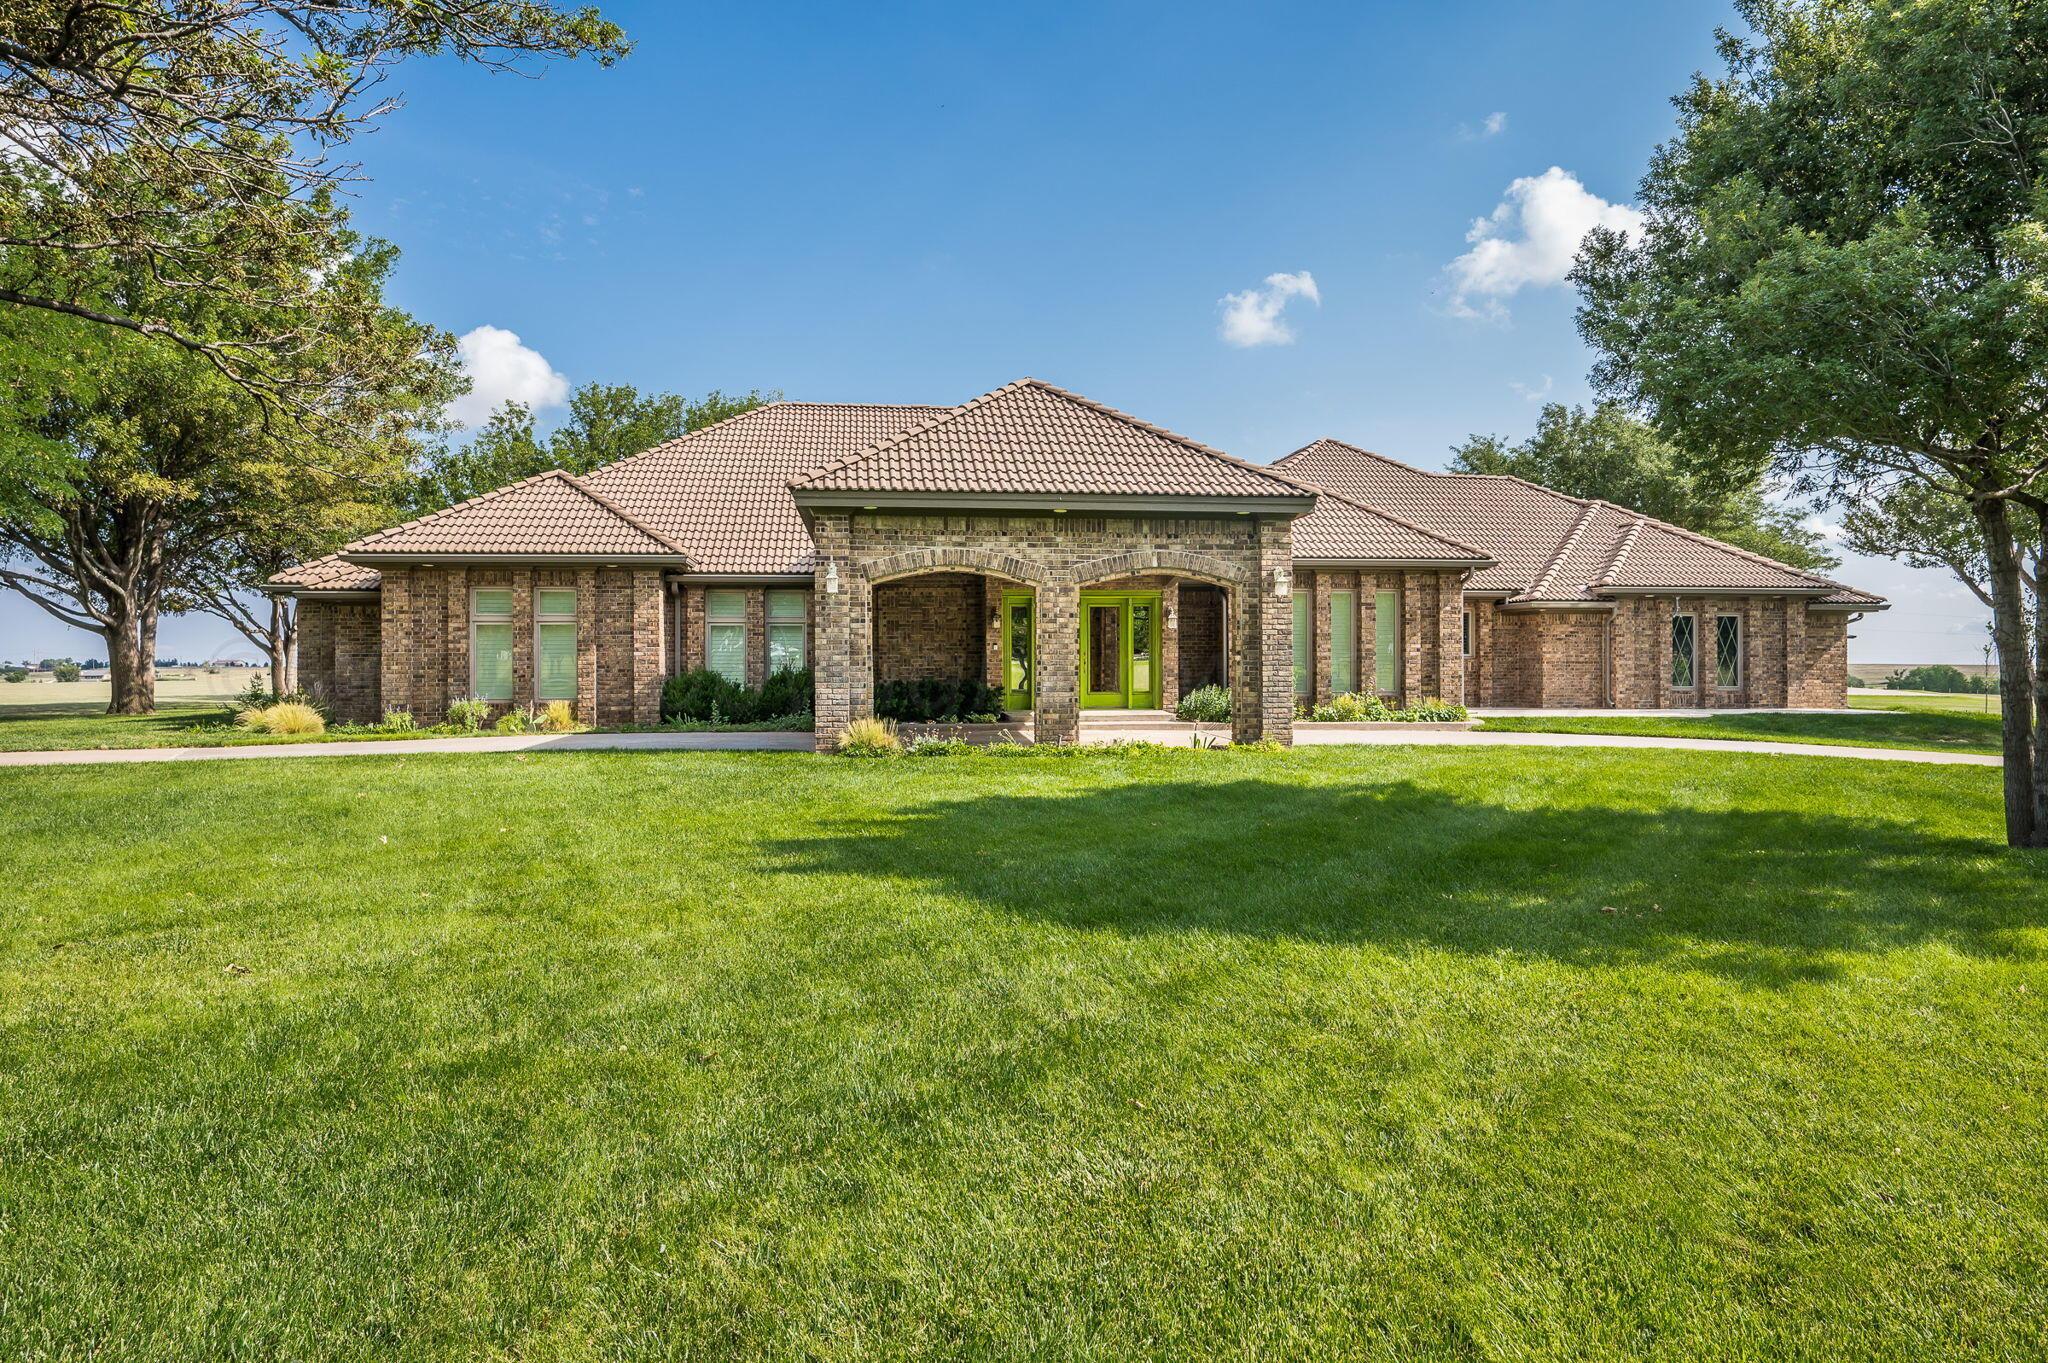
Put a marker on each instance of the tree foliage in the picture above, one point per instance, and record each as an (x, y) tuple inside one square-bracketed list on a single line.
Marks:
[(1840, 282), (126, 126), (1609, 454), (605, 422)]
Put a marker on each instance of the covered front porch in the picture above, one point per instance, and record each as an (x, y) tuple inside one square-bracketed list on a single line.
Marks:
[(1102, 622)]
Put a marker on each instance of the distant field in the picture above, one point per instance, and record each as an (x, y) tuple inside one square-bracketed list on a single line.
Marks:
[(1930, 702), (179, 685)]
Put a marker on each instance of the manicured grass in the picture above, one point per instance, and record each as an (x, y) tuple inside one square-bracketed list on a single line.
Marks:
[(1943, 729), (1349, 1053), (1929, 702)]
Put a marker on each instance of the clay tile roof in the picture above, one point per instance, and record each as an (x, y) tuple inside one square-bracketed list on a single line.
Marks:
[(1550, 547), (328, 574), (1033, 439), (1343, 530), (722, 492), (549, 513)]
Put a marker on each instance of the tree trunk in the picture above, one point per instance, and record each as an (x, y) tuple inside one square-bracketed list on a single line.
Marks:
[(2040, 678), (124, 666), (2015, 672), (145, 647), (282, 645)]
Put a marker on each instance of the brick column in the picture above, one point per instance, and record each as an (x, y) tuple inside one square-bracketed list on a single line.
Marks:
[(1319, 632), (1368, 634), (586, 645), (1168, 661), (1056, 716), (1263, 701), (394, 660), (1450, 616), (843, 668), (1411, 637), (757, 636), (456, 594), (647, 629), (992, 641), (522, 638)]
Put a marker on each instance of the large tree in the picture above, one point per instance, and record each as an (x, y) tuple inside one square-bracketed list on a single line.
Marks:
[(130, 470), (1840, 282), (120, 123), (1609, 453), (604, 422)]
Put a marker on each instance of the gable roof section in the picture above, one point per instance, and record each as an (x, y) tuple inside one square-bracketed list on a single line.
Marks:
[(1031, 440), (1551, 548), (546, 516), (722, 492), (327, 574), (1340, 530)]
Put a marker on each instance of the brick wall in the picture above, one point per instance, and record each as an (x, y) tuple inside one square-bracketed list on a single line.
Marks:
[(339, 660), (424, 661), (1428, 640), (1199, 655), (931, 626)]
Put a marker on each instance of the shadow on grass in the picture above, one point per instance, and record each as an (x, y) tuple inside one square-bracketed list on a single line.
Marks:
[(1767, 898)]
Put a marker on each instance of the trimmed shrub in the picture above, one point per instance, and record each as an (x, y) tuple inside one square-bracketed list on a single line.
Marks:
[(938, 700), (469, 714), (869, 738), (704, 695), (1204, 705)]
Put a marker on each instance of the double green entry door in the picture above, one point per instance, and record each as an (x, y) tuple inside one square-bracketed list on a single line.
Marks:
[(1119, 650)]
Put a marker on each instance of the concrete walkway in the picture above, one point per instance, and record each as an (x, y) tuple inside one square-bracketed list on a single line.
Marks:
[(1306, 736)]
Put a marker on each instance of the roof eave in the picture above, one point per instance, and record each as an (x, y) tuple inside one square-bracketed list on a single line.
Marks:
[(428, 558), (301, 593), (1357, 561)]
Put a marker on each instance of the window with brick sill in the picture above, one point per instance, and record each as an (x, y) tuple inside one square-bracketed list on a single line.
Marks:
[(490, 643)]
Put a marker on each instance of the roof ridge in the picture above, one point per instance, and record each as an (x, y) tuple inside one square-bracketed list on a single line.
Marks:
[(1432, 473), (1263, 470), (616, 510), (1617, 554), (1541, 586), (687, 436), (454, 507), (874, 447), (1401, 521)]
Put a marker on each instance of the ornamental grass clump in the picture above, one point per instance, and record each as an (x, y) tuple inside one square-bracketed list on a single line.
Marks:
[(287, 718), (869, 738), (558, 717)]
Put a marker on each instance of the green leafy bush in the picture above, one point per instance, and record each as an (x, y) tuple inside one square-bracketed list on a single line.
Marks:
[(397, 722), (515, 721), (1435, 711), (938, 700), (66, 671), (707, 696), (1359, 709), (14, 674), (469, 714), (1204, 705)]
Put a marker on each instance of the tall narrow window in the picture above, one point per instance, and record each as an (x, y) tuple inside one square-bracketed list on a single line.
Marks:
[(786, 631), (1682, 671), (1343, 644), (1304, 658), (1468, 633), (554, 643), (1728, 650), (1386, 640), (490, 643), (725, 634)]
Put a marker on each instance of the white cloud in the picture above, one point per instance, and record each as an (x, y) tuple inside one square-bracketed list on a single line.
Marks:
[(1493, 125), (1253, 317), (503, 369), (1529, 239), (1531, 393)]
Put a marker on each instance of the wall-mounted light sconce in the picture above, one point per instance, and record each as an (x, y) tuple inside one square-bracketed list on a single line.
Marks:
[(832, 579), (1283, 582), (1169, 617)]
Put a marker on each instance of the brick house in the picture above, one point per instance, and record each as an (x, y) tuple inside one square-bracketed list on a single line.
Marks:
[(1072, 556)]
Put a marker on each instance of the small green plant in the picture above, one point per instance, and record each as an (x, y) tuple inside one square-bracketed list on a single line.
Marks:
[(942, 747), (558, 717), (1204, 705), (1434, 711), (257, 695), (515, 721), (397, 722), (286, 718), (469, 714), (869, 738)]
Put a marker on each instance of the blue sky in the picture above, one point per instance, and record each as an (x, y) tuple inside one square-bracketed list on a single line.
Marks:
[(1253, 224)]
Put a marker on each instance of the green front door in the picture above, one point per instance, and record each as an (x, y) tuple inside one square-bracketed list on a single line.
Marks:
[(1020, 656), (1120, 650)]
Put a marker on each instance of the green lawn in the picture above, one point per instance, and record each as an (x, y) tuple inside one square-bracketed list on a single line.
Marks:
[(1938, 727), (1350, 1053), (1928, 701)]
